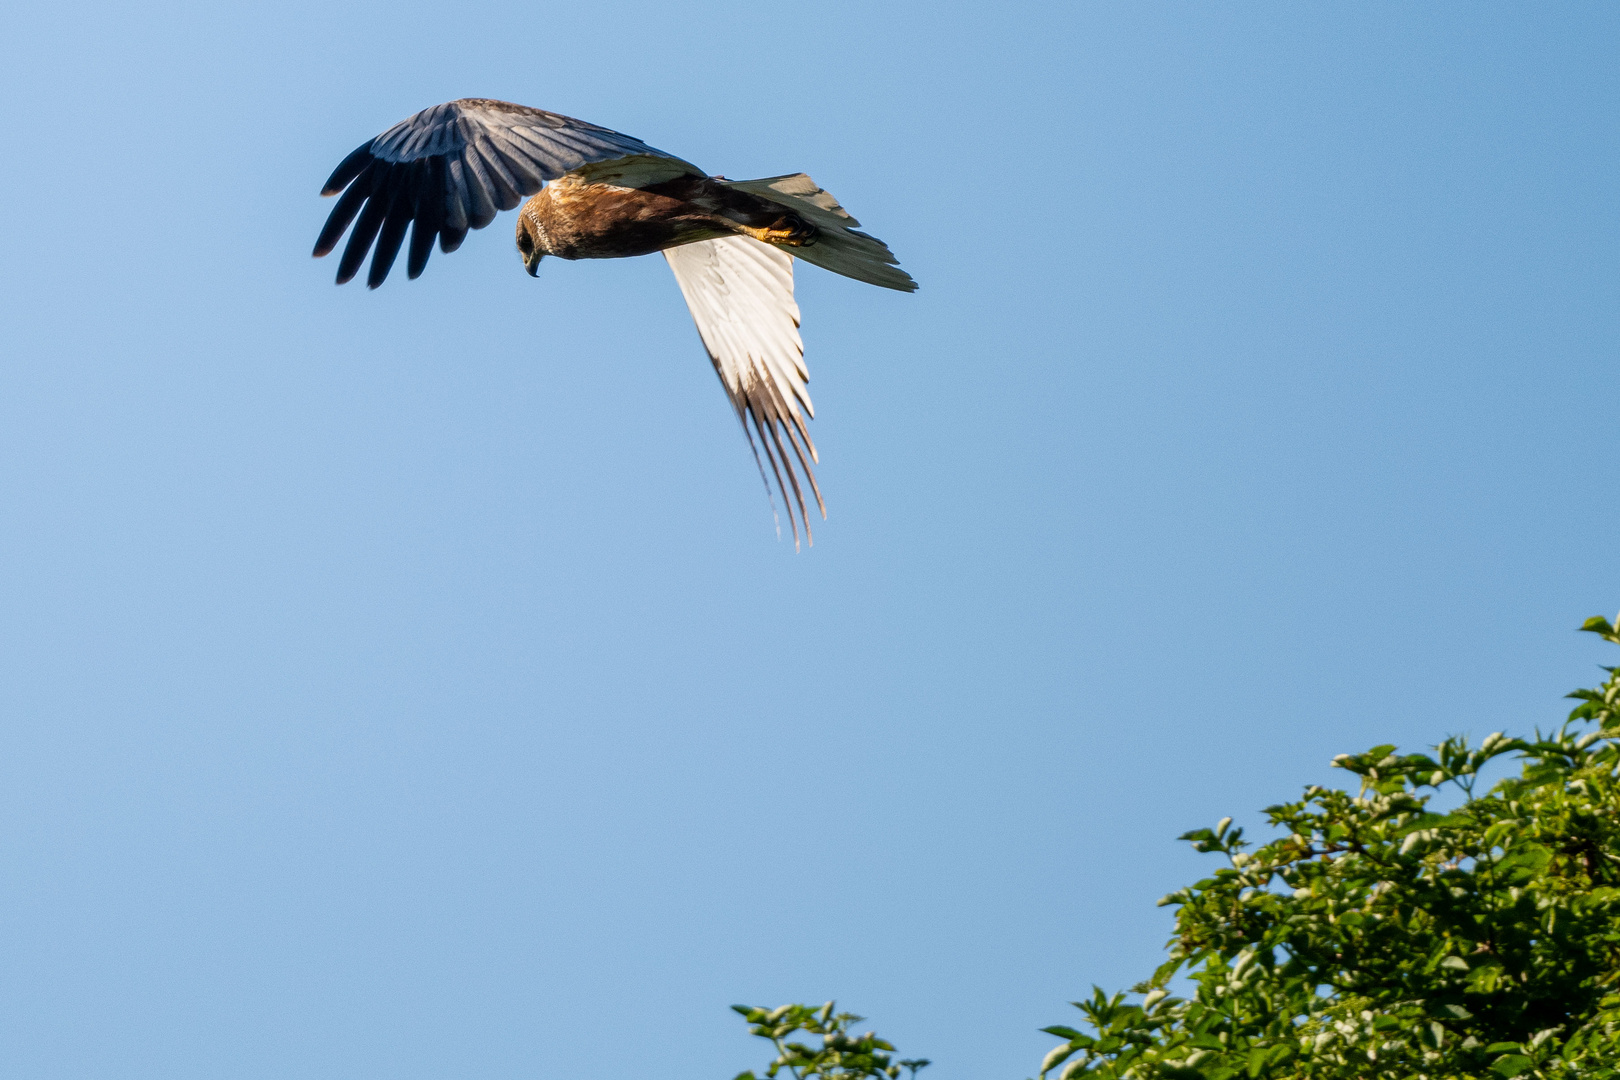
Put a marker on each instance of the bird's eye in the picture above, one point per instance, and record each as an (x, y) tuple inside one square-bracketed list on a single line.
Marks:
[(525, 244)]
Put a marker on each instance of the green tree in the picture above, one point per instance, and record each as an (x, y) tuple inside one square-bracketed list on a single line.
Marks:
[(841, 1055), (1377, 938)]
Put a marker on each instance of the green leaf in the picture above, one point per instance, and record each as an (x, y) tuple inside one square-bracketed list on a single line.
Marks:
[(1597, 624), (1511, 1064), (1055, 1057)]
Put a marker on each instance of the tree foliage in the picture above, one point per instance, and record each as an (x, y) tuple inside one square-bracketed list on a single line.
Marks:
[(1379, 938), (841, 1056)]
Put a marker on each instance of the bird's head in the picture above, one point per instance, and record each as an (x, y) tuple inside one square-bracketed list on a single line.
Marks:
[(529, 245)]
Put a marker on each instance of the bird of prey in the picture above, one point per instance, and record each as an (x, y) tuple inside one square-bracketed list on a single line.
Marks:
[(598, 194)]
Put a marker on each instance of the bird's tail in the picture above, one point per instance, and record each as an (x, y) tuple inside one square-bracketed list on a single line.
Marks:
[(838, 245)]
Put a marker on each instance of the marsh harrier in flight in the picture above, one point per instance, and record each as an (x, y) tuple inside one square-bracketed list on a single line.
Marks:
[(597, 194)]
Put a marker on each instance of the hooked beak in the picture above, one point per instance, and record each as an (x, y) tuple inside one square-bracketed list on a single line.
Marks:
[(532, 264)]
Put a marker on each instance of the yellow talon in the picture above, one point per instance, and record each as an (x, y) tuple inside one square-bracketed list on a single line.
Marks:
[(794, 234)]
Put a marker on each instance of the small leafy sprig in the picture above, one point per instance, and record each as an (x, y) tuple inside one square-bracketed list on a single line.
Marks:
[(841, 1056)]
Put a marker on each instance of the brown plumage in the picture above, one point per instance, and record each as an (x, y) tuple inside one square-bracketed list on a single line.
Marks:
[(578, 218), (599, 194)]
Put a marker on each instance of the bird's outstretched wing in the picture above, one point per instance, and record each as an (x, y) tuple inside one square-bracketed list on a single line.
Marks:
[(449, 169), (740, 292)]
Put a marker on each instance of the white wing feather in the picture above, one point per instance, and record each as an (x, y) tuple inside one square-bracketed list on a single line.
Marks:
[(740, 293)]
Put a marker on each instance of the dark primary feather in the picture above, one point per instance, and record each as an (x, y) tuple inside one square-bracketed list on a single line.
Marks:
[(344, 212), (365, 231), (429, 216), (389, 240), (349, 168), (450, 239), (449, 169)]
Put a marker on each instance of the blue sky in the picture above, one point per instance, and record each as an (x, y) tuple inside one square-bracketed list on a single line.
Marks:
[(409, 683)]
